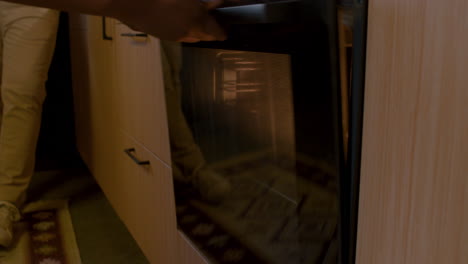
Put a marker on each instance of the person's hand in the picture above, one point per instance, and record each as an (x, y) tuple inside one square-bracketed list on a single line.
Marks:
[(177, 20)]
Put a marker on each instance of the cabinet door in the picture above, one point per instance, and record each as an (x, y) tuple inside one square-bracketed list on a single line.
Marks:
[(142, 195), (93, 85), (142, 109), (414, 173)]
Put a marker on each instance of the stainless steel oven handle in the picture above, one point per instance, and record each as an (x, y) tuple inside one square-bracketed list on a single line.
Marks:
[(259, 13)]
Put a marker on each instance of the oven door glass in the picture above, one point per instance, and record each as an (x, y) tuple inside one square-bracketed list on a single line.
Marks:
[(256, 141)]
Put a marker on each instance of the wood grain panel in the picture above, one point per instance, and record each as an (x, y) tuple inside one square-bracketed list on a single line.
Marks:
[(414, 182)]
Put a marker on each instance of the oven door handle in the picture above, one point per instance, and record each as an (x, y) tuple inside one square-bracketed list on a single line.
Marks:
[(271, 13)]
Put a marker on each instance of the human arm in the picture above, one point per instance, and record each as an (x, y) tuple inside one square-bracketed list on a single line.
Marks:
[(177, 20)]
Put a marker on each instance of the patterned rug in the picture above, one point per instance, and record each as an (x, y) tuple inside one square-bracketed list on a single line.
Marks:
[(45, 235)]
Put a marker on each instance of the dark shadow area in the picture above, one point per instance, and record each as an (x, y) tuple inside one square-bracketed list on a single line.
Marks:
[(56, 145)]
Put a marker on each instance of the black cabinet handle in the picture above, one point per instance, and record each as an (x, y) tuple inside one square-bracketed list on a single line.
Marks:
[(130, 151), (104, 30)]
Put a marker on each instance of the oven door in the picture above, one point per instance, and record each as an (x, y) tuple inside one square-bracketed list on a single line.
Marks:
[(256, 136)]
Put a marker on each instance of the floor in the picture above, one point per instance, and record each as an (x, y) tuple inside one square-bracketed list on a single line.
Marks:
[(101, 236)]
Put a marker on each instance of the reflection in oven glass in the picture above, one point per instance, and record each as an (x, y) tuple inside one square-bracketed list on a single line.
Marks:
[(244, 193)]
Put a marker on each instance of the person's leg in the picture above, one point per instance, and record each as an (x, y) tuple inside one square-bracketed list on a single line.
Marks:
[(185, 153), (189, 165), (28, 35)]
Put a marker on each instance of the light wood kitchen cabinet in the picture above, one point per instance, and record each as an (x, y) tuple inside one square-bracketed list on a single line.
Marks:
[(93, 81), (142, 195), (140, 88), (120, 118), (414, 179), (413, 191)]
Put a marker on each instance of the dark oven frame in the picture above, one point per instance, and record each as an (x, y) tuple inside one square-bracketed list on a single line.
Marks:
[(299, 28)]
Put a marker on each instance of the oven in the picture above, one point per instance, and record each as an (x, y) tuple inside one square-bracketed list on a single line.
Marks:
[(259, 130)]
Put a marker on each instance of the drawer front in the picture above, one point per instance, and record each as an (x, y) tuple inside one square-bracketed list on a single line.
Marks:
[(143, 197), (140, 88)]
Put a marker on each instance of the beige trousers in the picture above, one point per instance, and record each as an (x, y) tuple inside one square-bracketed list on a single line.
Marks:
[(27, 42)]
